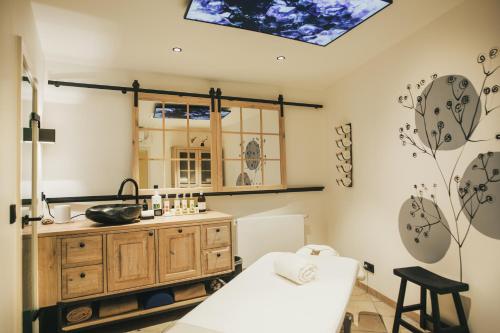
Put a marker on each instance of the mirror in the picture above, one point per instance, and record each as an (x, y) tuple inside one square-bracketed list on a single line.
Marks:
[(175, 143), (26, 109), (182, 144), (29, 245)]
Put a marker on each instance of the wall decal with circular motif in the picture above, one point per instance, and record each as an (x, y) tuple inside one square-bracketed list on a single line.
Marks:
[(447, 112)]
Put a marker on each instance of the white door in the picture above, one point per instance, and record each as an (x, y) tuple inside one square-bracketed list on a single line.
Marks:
[(10, 160)]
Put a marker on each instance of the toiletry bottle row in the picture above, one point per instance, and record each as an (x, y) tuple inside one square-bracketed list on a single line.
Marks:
[(187, 204), (183, 204)]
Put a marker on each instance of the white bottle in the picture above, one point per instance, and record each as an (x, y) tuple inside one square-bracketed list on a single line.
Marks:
[(166, 206), (184, 203), (192, 204), (156, 199), (177, 205)]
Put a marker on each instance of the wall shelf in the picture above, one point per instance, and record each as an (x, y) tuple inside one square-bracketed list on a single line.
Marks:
[(97, 198)]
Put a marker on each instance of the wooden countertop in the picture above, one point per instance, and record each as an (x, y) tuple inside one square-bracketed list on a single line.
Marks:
[(88, 226)]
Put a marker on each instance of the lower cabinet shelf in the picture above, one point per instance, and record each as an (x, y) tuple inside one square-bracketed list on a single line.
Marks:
[(133, 314)]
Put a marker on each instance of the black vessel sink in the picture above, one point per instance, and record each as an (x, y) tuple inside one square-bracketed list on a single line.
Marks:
[(114, 214)]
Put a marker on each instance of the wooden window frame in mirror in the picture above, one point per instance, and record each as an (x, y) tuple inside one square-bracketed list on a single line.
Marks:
[(212, 133), (281, 134)]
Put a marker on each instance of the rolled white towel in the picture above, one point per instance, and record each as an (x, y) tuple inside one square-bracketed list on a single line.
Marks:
[(295, 268), (317, 250)]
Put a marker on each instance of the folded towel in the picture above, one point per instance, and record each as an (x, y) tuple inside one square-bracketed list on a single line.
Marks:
[(79, 314), (156, 298), (295, 268), (317, 250)]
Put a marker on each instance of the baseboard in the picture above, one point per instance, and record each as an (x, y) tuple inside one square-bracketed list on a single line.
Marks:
[(412, 315)]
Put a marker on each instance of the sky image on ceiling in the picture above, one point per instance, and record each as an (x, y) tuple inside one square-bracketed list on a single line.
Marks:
[(317, 22)]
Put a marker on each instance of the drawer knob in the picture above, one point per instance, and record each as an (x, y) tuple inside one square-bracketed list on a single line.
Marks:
[(217, 230), (151, 233), (179, 231), (82, 275), (82, 245), (218, 255)]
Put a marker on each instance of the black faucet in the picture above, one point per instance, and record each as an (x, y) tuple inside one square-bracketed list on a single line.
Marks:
[(136, 189)]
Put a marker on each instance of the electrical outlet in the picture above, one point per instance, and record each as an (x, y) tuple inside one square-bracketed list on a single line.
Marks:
[(369, 267)]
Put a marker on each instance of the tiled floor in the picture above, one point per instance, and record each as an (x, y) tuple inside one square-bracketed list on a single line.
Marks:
[(361, 301), (370, 308)]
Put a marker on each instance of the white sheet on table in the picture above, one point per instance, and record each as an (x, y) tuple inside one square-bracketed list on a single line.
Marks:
[(259, 301)]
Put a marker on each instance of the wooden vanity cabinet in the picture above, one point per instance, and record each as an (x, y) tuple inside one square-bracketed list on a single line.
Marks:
[(131, 259), (81, 261), (179, 253)]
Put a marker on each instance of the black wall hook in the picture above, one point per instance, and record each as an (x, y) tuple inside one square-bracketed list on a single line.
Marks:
[(136, 86), (219, 95), (281, 101)]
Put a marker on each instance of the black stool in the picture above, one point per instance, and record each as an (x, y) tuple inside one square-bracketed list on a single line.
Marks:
[(436, 285)]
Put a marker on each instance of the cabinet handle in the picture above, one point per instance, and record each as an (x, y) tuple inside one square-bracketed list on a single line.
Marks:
[(82, 275), (179, 231), (82, 245), (151, 233), (218, 255), (217, 230)]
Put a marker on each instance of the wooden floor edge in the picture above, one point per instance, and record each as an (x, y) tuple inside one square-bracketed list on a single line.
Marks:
[(412, 315)]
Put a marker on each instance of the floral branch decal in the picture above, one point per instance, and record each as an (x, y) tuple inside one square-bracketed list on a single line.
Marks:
[(447, 112)]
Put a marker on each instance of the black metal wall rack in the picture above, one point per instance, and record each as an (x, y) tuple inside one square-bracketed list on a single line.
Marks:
[(114, 197)]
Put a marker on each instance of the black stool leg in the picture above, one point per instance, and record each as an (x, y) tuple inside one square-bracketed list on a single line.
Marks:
[(399, 306), (460, 312), (436, 317), (423, 307)]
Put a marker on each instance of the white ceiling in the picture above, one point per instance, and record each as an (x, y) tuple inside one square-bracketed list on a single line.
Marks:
[(139, 35)]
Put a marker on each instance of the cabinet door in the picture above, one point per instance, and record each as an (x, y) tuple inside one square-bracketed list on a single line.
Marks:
[(130, 259), (179, 253)]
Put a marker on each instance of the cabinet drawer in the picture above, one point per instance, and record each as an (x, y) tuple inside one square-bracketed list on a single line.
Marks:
[(81, 250), (81, 281), (217, 260), (216, 235)]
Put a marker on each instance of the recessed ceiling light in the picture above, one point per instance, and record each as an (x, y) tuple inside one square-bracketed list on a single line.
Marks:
[(177, 49), (280, 58)]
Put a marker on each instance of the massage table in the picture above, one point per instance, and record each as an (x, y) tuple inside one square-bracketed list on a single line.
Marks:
[(259, 301)]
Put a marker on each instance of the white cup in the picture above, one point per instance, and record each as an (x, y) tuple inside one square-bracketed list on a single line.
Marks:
[(62, 213)]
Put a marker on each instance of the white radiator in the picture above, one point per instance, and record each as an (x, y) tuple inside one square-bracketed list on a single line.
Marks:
[(259, 235)]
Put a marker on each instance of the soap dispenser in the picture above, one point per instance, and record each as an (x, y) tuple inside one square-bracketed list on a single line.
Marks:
[(156, 202), (202, 203)]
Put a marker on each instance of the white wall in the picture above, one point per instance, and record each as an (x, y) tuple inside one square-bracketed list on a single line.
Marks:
[(16, 19), (93, 152), (364, 219)]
